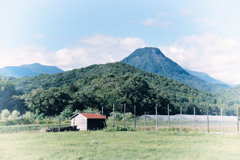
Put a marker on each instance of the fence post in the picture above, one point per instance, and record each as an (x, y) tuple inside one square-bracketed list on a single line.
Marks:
[(124, 110), (156, 118), (145, 120), (181, 119), (222, 119), (113, 115), (237, 119), (207, 122), (59, 124), (168, 118), (134, 116), (194, 118)]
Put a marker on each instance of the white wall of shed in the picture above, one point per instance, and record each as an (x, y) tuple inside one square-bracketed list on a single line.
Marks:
[(80, 121)]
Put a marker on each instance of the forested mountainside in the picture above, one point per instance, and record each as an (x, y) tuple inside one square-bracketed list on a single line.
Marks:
[(230, 97), (99, 86)]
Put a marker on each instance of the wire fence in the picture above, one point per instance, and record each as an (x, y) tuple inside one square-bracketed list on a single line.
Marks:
[(202, 123)]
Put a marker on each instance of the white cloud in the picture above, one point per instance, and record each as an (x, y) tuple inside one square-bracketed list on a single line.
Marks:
[(149, 22), (206, 22), (39, 35), (186, 11), (208, 53), (158, 22), (97, 49)]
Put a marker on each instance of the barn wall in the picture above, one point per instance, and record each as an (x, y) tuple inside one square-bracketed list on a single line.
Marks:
[(80, 122)]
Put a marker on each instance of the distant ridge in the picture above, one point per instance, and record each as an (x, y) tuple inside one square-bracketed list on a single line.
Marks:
[(153, 60), (204, 76), (29, 70)]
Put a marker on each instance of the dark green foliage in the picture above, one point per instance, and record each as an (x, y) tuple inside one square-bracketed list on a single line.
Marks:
[(153, 60), (100, 86), (231, 99), (8, 98), (46, 102)]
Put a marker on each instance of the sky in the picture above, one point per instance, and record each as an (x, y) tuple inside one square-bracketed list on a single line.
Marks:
[(198, 35)]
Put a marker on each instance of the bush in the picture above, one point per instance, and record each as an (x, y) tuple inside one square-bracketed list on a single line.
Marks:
[(119, 116), (5, 114), (129, 116), (18, 121), (66, 114), (119, 128), (90, 110), (15, 114)]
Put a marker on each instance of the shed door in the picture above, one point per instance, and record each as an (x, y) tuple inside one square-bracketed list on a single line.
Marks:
[(94, 124)]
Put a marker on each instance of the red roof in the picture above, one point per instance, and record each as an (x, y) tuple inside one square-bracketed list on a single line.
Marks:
[(93, 116)]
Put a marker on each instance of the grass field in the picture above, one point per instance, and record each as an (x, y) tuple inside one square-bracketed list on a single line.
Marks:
[(162, 144), (27, 128)]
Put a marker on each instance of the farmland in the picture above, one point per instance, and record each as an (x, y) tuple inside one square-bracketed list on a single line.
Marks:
[(161, 144)]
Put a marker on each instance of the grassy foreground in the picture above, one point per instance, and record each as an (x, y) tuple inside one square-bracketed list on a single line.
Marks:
[(166, 145)]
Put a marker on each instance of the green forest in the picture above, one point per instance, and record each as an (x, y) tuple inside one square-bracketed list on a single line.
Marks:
[(103, 85)]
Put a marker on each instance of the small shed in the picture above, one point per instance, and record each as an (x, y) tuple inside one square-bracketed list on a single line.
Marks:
[(88, 121)]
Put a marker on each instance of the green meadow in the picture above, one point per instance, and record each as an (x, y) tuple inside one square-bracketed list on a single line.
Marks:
[(101, 145)]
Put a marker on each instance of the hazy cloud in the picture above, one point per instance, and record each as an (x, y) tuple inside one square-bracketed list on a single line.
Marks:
[(186, 11), (206, 22), (208, 53), (149, 22), (158, 22), (39, 35), (96, 49)]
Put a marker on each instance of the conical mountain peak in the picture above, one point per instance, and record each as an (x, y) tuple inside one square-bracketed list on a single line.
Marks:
[(153, 60), (149, 51)]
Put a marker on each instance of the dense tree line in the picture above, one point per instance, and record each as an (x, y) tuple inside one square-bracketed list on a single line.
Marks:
[(9, 99)]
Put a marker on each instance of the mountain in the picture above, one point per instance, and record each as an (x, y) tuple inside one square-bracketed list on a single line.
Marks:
[(105, 84), (28, 70), (204, 76), (153, 60)]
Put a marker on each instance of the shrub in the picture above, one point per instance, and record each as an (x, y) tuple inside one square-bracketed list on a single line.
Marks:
[(119, 116), (91, 110), (5, 114), (129, 116), (15, 114), (66, 114), (119, 128)]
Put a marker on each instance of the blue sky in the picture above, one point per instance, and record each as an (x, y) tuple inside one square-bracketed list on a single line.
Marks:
[(198, 35)]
